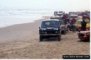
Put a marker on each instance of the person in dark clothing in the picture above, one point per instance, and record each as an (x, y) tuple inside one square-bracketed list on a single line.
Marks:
[(72, 26), (83, 25)]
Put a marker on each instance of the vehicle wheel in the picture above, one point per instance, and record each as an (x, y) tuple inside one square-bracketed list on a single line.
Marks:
[(41, 38), (63, 32), (59, 38)]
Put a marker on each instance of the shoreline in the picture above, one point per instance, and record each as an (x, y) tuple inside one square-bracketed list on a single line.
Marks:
[(20, 24), (15, 25)]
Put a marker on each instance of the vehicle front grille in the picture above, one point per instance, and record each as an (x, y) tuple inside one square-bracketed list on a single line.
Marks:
[(52, 32)]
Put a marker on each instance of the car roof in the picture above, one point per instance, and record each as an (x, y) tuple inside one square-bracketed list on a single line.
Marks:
[(51, 20)]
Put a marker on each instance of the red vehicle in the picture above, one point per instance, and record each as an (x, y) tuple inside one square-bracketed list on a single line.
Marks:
[(84, 35)]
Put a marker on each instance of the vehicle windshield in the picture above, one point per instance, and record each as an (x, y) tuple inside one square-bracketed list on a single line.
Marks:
[(50, 24)]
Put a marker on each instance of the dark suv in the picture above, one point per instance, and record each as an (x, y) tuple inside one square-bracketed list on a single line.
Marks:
[(50, 28)]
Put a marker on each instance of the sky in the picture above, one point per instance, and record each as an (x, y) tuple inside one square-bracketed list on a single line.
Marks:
[(66, 5)]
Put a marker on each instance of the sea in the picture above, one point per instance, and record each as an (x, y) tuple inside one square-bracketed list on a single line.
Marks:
[(10, 17)]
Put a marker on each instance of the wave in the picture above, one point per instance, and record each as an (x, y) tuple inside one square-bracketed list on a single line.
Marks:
[(17, 16), (23, 12)]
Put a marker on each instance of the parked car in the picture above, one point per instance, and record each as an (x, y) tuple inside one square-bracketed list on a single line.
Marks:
[(50, 28)]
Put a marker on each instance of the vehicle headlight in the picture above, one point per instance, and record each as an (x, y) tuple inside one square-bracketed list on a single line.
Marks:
[(55, 28), (43, 28)]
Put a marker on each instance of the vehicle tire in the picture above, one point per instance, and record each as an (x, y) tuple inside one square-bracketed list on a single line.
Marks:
[(41, 38), (63, 32), (59, 38)]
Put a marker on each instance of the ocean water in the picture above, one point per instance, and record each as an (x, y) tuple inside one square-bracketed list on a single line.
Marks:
[(18, 16)]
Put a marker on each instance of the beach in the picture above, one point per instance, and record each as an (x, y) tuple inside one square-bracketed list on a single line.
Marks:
[(21, 41)]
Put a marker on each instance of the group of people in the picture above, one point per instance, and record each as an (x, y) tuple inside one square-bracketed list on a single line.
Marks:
[(71, 25), (71, 20)]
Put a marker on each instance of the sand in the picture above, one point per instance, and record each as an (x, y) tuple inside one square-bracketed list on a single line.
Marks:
[(22, 42)]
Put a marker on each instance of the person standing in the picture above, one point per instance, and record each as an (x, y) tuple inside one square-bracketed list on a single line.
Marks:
[(83, 25)]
